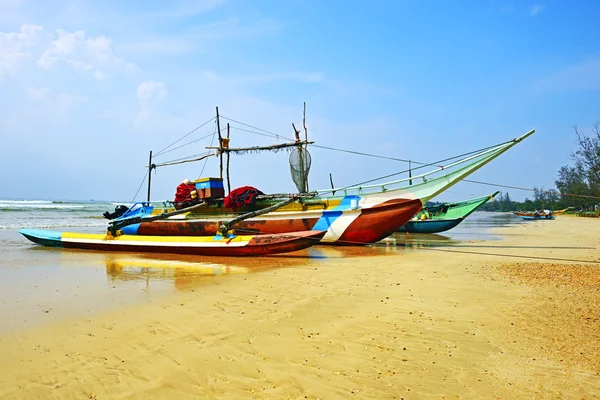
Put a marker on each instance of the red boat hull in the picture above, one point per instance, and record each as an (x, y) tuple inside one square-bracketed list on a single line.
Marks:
[(258, 245), (368, 225)]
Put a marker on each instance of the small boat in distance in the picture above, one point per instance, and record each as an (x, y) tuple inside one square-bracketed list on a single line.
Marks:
[(540, 214), (536, 217), (445, 216), (231, 245)]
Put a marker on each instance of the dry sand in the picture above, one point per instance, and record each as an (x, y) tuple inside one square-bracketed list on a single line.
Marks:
[(474, 321)]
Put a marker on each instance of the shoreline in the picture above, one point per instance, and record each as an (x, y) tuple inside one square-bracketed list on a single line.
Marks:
[(453, 321)]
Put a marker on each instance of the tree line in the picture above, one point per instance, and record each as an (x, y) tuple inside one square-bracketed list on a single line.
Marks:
[(577, 185)]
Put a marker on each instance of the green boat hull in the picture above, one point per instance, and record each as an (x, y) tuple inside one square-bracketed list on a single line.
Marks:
[(444, 217)]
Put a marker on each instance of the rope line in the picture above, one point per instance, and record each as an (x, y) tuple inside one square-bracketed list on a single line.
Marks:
[(183, 137), (183, 145), (426, 165), (211, 143), (529, 190), (139, 188), (254, 127), (277, 137)]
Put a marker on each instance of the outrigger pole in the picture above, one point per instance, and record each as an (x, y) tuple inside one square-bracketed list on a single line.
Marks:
[(150, 166), (227, 168), (220, 146)]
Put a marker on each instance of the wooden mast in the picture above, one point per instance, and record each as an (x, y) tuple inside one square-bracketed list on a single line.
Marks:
[(220, 149), (149, 174), (227, 170), (306, 147)]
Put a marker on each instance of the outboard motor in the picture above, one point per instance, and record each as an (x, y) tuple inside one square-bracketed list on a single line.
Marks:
[(119, 210)]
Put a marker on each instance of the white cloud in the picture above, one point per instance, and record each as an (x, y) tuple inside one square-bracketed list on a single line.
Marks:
[(14, 46), (151, 89), (78, 51), (65, 101), (536, 9), (100, 75), (147, 91), (91, 55), (37, 93)]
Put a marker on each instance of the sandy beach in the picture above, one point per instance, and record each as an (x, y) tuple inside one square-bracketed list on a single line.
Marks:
[(517, 318)]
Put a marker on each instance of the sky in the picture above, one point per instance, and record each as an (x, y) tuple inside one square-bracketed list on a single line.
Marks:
[(89, 88)]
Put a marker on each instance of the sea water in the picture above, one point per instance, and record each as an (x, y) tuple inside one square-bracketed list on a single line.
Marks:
[(44, 214)]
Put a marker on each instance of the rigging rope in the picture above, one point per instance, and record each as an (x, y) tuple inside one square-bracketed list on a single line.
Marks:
[(266, 133), (184, 136), (426, 165), (275, 136), (139, 188), (183, 145), (529, 190), (259, 129), (211, 143)]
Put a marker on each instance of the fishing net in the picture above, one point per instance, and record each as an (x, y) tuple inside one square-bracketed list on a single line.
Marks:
[(299, 167)]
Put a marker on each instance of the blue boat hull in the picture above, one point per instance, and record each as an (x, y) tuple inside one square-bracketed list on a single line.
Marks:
[(430, 225), (538, 217)]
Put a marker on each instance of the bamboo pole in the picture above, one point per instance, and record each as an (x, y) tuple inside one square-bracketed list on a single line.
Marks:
[(118, 224), (227, 225), (306, 147), (332, 187), (149, 174), (259, 148), (220, 146), (227, 170)]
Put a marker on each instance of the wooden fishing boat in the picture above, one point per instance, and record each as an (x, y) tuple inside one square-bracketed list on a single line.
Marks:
[(538, 213), (361, 214), (536, 217), (231, 245), (443, 217)]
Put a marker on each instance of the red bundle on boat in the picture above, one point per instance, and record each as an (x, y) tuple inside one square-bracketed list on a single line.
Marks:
[(183, 195), (240, 197)]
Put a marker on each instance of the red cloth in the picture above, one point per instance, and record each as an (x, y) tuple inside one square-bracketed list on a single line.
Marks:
[(241, 196), (183, 193)]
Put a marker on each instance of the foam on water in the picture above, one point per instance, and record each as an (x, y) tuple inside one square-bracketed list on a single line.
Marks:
[(45, 214)]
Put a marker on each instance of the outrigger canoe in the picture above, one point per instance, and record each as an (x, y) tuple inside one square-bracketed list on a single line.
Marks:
[(536, 217), (443, 217), (352, 215), (540, 213), (232, 245)]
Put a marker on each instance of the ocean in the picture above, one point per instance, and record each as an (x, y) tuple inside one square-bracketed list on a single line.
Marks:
[(42, 214)]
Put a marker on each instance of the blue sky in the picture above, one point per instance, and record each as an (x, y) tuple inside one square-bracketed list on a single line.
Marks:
[(88, 88)]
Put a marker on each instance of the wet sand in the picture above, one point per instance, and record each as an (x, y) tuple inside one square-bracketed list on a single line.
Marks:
[(474, 319)]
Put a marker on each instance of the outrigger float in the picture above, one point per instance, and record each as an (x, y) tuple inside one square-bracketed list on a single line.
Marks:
[(231, 245)]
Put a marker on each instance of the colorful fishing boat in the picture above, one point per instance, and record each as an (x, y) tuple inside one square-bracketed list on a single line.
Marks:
[(361, 214), (442, 217), (536, 213), (536, 217), (229, 245)]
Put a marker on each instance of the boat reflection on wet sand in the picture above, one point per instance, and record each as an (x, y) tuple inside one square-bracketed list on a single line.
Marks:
[(189, 271)]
